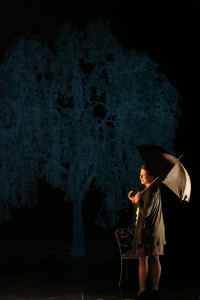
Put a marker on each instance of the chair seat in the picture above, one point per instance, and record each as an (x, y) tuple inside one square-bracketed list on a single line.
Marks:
[(129, 255)]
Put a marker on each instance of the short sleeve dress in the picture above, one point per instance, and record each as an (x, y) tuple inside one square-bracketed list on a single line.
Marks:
[(149, 236)]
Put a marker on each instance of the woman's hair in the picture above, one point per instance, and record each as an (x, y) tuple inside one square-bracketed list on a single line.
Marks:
[(148, 169)]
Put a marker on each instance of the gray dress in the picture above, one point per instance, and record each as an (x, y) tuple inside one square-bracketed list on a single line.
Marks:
[(150, 229)]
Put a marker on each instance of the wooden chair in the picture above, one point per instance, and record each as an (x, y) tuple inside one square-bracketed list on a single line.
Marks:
[(125, 238)]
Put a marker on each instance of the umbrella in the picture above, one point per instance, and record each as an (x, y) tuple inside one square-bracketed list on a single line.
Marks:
[(168, 169)]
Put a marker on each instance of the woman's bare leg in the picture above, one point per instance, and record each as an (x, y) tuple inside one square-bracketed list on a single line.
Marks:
[(143, 273), (155, 271)]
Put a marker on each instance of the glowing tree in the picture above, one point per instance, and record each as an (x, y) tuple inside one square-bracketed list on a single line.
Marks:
[(77, 115)]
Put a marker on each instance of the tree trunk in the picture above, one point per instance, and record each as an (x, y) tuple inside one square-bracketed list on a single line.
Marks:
[(78, 243)]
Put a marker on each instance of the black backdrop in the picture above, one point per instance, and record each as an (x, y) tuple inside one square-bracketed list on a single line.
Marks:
[(168, 31)]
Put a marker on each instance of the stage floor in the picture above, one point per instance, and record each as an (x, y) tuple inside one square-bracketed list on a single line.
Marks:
[(39, 270)]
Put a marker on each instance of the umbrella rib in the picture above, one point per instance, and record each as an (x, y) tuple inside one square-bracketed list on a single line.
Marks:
[(180, 156)]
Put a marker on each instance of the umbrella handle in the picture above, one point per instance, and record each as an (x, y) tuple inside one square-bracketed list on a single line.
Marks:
[(131, 197)]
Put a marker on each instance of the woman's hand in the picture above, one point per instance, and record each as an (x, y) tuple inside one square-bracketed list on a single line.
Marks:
[(137, 197)]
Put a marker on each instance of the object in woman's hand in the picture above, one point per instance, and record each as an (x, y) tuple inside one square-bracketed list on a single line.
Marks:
[(131, 196)]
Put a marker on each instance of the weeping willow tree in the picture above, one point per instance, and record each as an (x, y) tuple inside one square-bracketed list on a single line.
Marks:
[(73, 117)]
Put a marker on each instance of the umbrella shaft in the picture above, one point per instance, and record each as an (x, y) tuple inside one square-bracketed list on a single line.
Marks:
[(146, 188)]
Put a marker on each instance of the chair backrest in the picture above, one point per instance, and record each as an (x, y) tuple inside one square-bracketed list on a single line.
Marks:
[(125, 238)]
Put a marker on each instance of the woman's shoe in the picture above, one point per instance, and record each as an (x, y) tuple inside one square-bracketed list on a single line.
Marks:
[(142, 295), (153, 294)]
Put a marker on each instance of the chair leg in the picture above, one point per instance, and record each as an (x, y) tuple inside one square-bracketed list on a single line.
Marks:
[(126, 269), (120, 278)]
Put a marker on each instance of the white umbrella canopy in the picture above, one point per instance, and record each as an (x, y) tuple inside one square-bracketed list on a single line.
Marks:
[(179, 182)]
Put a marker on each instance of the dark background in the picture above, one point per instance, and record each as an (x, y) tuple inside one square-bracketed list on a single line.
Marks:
[(168, 31)]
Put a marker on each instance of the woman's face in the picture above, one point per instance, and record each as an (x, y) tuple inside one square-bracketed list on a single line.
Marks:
[(145, 178)]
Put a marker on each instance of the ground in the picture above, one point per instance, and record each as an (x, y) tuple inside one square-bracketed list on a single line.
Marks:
[(36, 270)]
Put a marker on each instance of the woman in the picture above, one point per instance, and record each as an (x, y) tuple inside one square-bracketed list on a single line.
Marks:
[(149, 237)]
